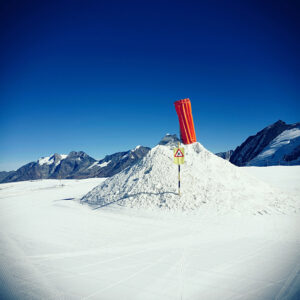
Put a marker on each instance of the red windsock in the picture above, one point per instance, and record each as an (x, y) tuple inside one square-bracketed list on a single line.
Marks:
[(184, 111)]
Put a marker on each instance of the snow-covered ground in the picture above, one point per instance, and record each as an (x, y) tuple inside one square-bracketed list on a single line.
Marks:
[(284, 178), (53, 247)]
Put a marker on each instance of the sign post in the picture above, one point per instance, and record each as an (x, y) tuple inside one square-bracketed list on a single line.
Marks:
[(179, 160), (179, 180)]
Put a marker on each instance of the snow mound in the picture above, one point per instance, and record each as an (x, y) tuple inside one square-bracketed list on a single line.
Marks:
[(207, 182)]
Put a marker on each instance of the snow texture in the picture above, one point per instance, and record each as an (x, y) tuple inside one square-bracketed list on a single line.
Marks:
[(96, 164), (207, 182), (45, 160), (52, 247), (104, 164), (49, 160)]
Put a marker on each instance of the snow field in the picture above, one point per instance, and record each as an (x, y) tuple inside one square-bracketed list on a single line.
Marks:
[(279, 177), (52, 247)]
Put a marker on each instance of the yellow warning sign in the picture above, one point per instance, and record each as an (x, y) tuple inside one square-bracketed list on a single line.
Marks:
[(178, 156)]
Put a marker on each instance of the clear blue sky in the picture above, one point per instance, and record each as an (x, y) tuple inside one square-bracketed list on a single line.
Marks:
[(102, 76)]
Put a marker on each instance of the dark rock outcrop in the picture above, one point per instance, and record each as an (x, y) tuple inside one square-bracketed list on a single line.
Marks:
[(4, 174), (169, 139), (225, 155)]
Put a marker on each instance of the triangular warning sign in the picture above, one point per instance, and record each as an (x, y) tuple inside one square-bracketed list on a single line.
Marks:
[(178, 153)]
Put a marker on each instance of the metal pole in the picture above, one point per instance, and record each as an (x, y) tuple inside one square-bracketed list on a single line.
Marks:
[(179, 180), (178, 174)]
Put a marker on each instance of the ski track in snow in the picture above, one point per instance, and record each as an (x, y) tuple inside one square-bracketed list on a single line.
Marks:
[(53, 248)]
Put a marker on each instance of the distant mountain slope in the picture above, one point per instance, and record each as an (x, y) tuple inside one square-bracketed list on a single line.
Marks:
[(284, 149), (76, 165), (276, 144), (4, 174), (170, 139), (225, 155), (114, 163)]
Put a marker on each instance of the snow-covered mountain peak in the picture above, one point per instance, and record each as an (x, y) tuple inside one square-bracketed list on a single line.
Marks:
[(77, 154), (280, 148), (275, 144), (45, 160), (49, 160), (169, 139), (276, 124), (136, 148), (77, 164)]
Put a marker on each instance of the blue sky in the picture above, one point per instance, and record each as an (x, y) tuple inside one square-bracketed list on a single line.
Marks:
[(102, 76)]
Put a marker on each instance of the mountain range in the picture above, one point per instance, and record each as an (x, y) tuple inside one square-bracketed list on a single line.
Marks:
[(76, 165), (278, 143), (4, 174)]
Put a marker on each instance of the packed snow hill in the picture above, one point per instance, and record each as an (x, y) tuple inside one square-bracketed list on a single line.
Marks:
[(207, 183)]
